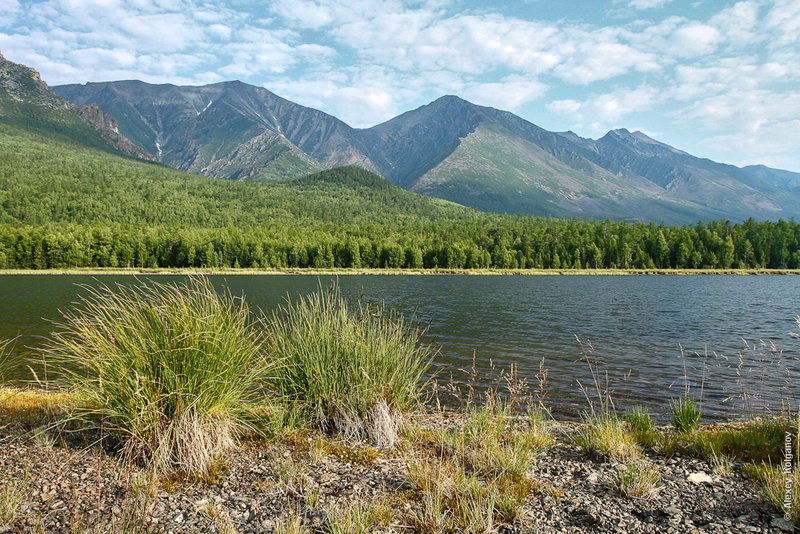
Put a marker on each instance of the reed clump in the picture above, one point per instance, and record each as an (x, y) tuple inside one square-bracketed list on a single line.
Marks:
[(685, 415), (167, 368), (354, 370)]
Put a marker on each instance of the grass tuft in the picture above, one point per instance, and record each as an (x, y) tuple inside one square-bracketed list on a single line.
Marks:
[(474, 474), (12, 495), (756, 440), (636, 479), (358, 517), (605, 435), (490, 442), (294, 524), (685, 415), (773, 482), (353, 370), (166, 368), (639, 420)]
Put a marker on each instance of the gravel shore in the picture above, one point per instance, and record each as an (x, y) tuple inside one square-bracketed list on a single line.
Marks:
[(72, 488)]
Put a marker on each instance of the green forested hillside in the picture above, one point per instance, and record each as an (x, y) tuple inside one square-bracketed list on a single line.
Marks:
[(43, 180), (64, 204)]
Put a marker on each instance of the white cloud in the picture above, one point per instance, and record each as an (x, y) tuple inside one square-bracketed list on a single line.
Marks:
[(600, 58), (742, 110), (774, 144), (694, 82), (783, 23), (694, 39), (606, 110), (304, 14), (507, 94), (359, 104), (9, 9), (647, 4), (219, 31), (739, 24)]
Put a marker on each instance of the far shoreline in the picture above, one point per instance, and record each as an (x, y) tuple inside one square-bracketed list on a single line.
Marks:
[(186, 271)]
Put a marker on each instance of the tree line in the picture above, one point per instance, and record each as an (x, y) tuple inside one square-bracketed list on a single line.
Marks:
[(511, 242)]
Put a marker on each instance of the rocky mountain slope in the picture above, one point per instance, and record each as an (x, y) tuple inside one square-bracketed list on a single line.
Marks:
[(26, 100), (450, 148), (779, 178), (738, 192), (228, 130)]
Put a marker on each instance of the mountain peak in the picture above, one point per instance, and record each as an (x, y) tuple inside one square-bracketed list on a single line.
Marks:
[(450, 99), (451, 102)]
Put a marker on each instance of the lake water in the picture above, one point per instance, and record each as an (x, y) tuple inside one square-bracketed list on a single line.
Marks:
[(647, 332)]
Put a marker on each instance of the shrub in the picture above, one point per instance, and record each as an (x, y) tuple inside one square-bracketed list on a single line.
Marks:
[(167, 368), (352, 370)]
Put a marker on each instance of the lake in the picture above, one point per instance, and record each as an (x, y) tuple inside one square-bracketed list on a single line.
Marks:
[(645, 335)]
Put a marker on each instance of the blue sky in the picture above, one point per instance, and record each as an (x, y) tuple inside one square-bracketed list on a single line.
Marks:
[(715, 78)]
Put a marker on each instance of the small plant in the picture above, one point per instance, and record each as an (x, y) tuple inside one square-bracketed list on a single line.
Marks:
[(756, 440), (140, 500), (353, 370), (605, 435), (290, 475), (358, 517), (773, 482), (636, 479), (490, 442), (640, 423), (294, 524), (167, 368), (220, 517), (722, 464), (477, 474), (311, 495), (451, 499), (602, 433), (352, 454), (12, 495), (685, 415), (639, 420)]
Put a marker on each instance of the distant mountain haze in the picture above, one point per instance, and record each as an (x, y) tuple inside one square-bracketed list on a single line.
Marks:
[(451, 149)]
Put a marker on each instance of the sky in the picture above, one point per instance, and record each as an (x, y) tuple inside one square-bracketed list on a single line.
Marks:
[(717, 79)]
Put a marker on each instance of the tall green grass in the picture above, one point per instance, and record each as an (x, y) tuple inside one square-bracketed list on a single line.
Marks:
[(351, 369), (165, 367), (685, 415), (8, 362)]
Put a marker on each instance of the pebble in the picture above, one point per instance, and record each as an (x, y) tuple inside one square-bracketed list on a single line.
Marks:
[(782, 524), (700, 477)]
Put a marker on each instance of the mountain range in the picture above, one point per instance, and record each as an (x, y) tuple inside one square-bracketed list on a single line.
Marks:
[(452, 149)]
